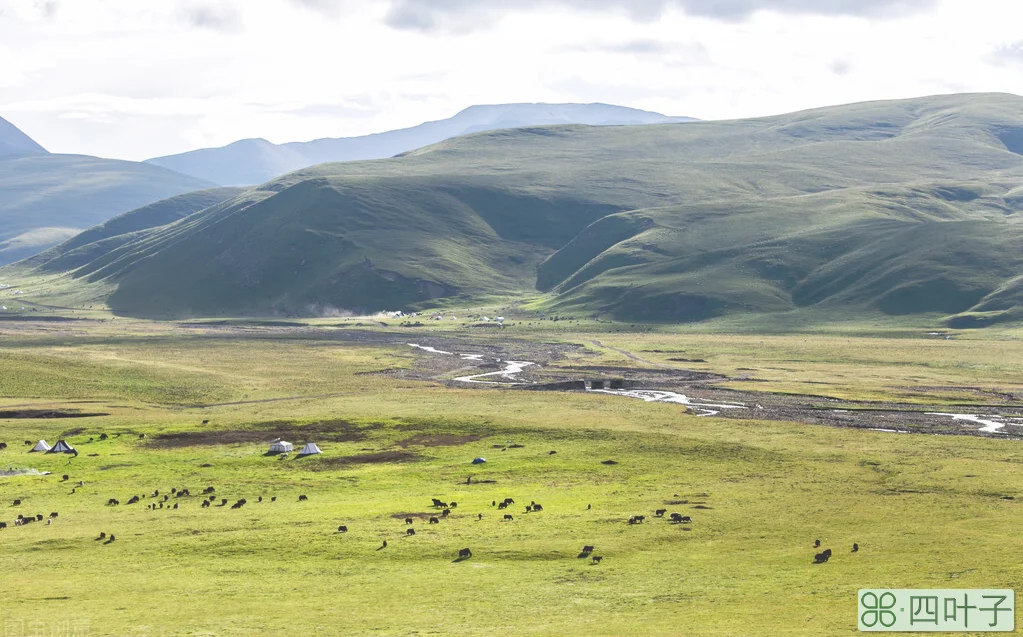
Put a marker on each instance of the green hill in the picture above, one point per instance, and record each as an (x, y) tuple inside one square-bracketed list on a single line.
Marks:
[(895, 207), (46, 199)]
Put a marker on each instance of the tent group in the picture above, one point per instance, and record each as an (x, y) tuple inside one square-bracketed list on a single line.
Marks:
[(61, 447), (283, 446)]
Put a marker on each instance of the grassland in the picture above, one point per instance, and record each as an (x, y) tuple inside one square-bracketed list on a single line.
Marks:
[(927, 511)]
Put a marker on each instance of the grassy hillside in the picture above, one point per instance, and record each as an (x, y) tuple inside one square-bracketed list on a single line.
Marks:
[(87, 246), (894, 207), (45, 199)]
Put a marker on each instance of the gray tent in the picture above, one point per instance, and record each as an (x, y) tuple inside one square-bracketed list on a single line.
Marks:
[(282, 446), (40, 446), (62, 447), (309, 449)]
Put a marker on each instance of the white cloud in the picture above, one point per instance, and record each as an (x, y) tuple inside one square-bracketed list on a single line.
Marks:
[(136, 79)]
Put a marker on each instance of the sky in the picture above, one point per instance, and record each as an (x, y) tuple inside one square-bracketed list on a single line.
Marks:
[(134, 79)]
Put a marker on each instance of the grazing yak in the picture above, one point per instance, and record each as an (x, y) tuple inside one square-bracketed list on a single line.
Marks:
[(134, 499), (597, 558), (303, 498), (856, 547), (434, 521), (408, 520), (17, 503), (508, 517), (208, 490), (410, 531), (445, 513), (464, 554), (102, 536), (816, 544), (503, 505), (537, 507), (54, 514), (65, 478), (453, 505), (342, 529), (113, 502), (205, 504), (820, 558), (686, 519), (273, 499), (3, 445), (3, 525), (223, 502), (588, 548), (660, 512)]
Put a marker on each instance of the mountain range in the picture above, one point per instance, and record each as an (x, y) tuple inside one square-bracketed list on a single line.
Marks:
[(46, 198), (254, 161), (892, 208)]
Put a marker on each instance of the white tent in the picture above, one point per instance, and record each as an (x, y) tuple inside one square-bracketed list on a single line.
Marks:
[(282, 446), (309, 449), (61, 447), (40, 446)]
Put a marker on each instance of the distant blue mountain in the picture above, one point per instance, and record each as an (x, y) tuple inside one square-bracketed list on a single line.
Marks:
[(14, 142), (255, 161)]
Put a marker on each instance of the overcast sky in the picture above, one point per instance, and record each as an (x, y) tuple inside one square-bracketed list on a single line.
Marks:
[(138, 78)]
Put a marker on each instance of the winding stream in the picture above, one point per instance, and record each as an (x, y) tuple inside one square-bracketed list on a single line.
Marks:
[(512, 368), (658, 396)]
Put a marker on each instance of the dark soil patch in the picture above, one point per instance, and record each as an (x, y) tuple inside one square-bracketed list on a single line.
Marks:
[(700, 506), (46, 413), (329, 430), (687, 360), (437, 440), (72, 432), (379, 457), (608, 462), (676, 501)]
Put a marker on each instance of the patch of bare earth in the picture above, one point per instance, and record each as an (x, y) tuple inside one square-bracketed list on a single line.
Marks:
[(324, 431), (436, 440), (377, 457)]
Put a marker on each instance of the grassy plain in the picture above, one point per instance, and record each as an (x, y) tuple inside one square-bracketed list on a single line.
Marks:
[(927, 511)]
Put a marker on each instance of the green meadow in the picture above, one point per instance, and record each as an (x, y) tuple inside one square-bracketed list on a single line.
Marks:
[(926, 511)]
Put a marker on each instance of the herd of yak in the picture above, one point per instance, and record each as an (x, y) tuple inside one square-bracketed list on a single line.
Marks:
[(157, 501)]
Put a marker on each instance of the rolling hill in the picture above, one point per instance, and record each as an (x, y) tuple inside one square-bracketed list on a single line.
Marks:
[(893, 208), (48, 198), (254, 161)]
